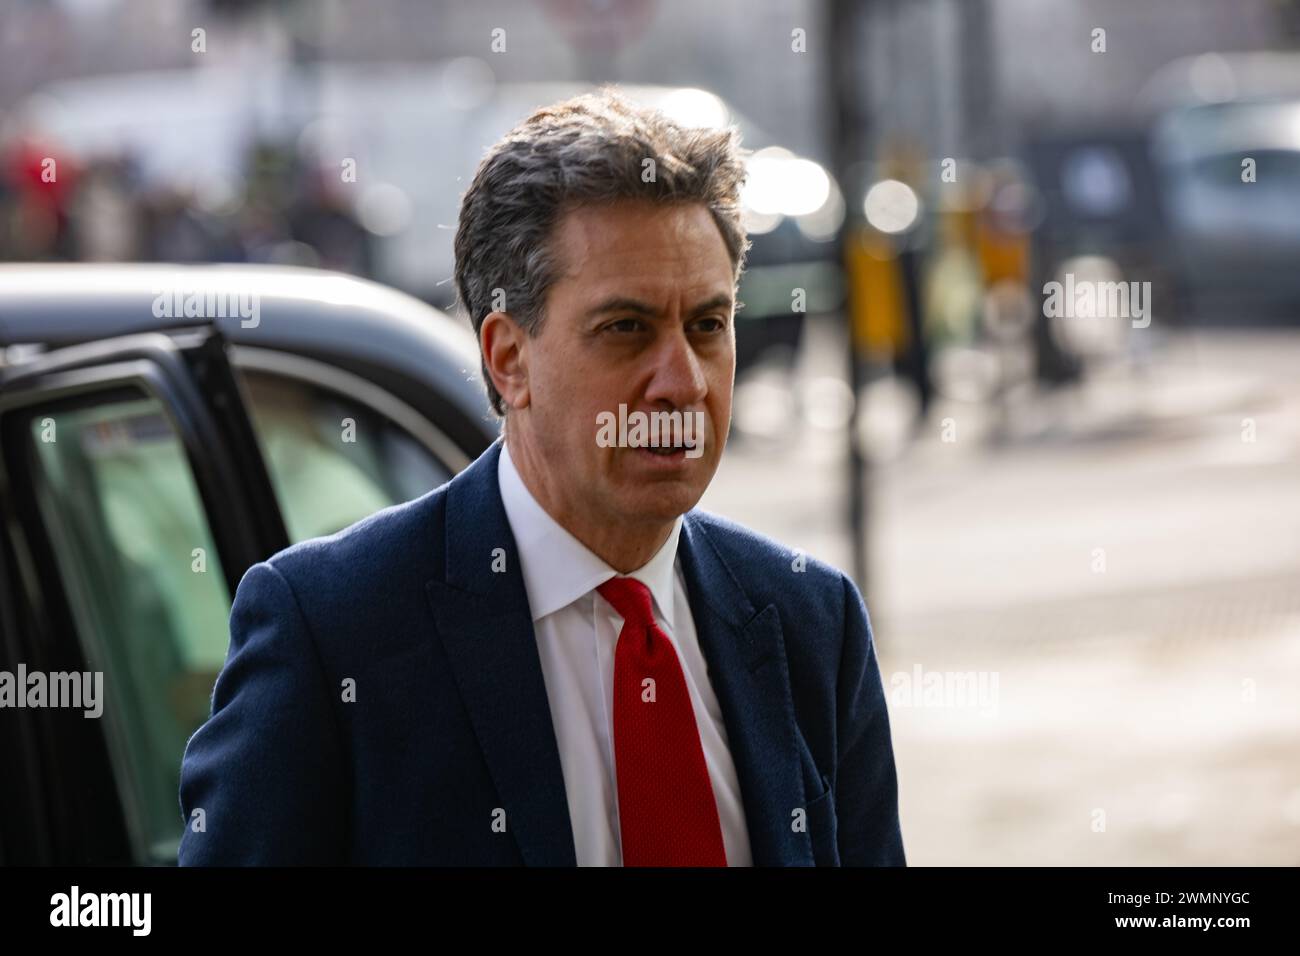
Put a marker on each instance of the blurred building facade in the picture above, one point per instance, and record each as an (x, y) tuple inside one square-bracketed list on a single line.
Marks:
[(949, 73)]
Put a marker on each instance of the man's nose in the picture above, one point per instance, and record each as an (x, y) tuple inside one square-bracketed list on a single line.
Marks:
[(678, 378)]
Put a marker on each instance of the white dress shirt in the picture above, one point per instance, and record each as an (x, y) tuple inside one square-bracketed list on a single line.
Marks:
[(577, 631)]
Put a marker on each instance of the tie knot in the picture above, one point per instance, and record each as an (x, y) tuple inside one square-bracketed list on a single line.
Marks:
[(631, 599)]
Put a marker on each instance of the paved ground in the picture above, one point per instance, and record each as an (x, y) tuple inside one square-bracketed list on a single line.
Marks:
[(1121, 570)]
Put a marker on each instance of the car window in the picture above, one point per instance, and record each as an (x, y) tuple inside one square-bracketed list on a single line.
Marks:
[(1206, 195), (145, 587), (332, 459)]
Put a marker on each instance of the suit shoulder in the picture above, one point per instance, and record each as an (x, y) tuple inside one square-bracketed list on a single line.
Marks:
[(765, 563)]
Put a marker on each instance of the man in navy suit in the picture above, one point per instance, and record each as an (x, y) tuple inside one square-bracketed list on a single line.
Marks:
[(555, 658)]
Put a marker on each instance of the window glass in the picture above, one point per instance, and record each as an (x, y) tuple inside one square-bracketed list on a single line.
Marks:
[(146, 590), (1206, 196), (333, 460)]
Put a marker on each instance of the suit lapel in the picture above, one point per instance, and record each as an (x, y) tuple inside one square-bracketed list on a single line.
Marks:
[(483, 619), (745, 651), (484, 622)]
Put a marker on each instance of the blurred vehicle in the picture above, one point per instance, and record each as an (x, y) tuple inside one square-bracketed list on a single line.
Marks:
[(1229, 162), (414, 157), (148, 461), (1238, 242)]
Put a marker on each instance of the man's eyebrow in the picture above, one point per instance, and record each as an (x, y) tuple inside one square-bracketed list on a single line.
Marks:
[(621, 303)]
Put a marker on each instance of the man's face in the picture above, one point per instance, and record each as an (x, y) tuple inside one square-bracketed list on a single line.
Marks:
[(641, 315)]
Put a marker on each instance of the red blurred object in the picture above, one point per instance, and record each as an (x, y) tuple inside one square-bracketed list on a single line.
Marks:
[(35, 171), (43, 184)]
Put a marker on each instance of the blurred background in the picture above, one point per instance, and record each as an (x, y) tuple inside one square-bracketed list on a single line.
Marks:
[(1076, 520)]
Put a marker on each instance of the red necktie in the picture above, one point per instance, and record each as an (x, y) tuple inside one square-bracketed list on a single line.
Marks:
[(666, 809)]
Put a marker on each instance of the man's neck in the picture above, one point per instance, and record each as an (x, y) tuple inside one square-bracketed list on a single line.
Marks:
[(624, 548)]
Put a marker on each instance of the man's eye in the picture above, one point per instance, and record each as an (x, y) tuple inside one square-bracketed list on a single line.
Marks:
[(624, 325), (711, 324)]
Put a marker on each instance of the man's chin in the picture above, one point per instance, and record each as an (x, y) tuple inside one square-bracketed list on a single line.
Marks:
[(658, 502), (646, 488)]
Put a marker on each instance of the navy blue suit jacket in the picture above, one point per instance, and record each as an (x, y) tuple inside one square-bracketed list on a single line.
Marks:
[(450, 730)]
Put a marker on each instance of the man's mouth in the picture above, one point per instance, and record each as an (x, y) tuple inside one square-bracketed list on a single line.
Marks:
[(663, 435), (667, 451)]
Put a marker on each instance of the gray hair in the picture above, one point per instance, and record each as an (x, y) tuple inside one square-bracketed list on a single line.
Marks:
[(589, 149)]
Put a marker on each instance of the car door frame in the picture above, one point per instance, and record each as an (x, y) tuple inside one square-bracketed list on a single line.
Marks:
[(189, 373)]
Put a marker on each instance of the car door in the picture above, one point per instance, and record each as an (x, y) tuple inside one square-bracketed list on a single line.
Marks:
[(340, 446), (134, 498)]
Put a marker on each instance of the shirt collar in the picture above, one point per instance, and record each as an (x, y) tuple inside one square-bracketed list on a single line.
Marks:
[(557, 567)]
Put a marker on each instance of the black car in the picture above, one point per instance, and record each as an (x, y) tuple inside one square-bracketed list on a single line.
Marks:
[(162, 429)]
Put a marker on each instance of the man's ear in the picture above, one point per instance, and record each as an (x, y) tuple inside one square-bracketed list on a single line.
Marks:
[(504, 345)]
